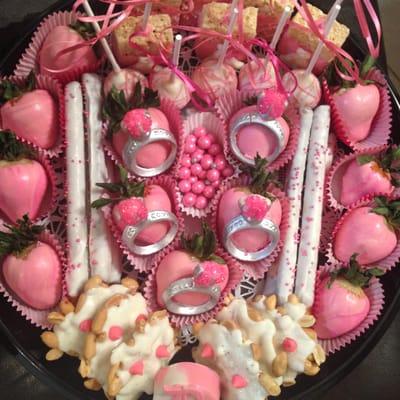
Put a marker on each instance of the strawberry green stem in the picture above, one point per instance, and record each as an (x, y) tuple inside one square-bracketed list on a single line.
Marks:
[(11, 149)]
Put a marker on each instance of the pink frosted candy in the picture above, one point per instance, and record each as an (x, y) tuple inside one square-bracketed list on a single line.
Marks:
[(129, 212), (185, 186), (162, 351), (213, 175), (85, 325), (137, 123), (272, 103), (201, 202), (239, 382), (137, 368), (212, 273), (198, 187), (255, 208), (115, 332), (189, 199), (289, 345), (207, 351), (184, 173), (215, 149), (199, 131), (206, 161), (208, 192), (196, 169), (227, 172)]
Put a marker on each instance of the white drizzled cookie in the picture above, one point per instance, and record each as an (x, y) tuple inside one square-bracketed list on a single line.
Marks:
[(256, 347), (135, 363), (113, 324), (73, 323)]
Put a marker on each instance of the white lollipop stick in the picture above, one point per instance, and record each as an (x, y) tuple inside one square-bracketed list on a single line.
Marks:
[(177, 49), (281, 283), (281, 25), (225, 45), (307, 262), (103, 41), (234, 5), (333, 14), (146, 14)]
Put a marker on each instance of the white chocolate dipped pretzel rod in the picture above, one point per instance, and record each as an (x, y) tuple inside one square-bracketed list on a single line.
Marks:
[(77, 229), (281, 282), (307, 262), (104, 255)]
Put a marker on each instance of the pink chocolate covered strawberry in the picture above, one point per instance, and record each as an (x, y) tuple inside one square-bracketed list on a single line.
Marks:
[(341, 304), (134, 119), (196, 259), (369, 175), (31, 268), (254, 203), (132, 203), (23, 181), (54, 62), (357, 104), (30, 113), (369, 232)]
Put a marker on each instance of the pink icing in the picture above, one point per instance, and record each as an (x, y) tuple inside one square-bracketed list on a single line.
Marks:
[(212, 273), (153, 154), (137, 368), (33, 116), (162, 351), (289, 345), (36, 277), (129, 212), (255, 138), (137, 123), (272, 104), (365, 233), (255, 207), (357, 108), (177, 265), (239, 381), (85, 325), (115, 332), (361, 180), (207, 351), (31, 180), (229, 208), (338, 310)]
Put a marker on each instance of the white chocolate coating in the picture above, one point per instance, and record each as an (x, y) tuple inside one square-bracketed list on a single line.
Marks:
[(77, 229), (312, 206), (157, 332), (254, 77), (282, 282), (233, 348), (70, 337), (104, 254)]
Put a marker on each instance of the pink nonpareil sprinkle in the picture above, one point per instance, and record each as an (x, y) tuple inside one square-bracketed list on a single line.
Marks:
[(132, 211), (211, 274), (137, 122), (255, 208), (272, 103)]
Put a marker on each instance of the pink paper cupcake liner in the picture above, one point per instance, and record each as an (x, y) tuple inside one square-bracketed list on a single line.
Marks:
[(376, 297), (256, 269), (179, 321), (57, 92), (217, 129), (329, 220), (335, 175), (230, 103), (36, 317), (385, 264), (176, 124), (144, 263), (29, 59), (381, 125)]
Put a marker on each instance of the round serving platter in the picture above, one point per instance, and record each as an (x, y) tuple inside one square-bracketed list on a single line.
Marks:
[(24, 340)]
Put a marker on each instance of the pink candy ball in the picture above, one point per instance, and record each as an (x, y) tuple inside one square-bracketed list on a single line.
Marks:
[(190, 147), (208, 192), (201, 202), (220, 163), (204, 142), (193, 179), (202, 175), (215, 149), (213, 175), (216, 183), (186, 161), (185, 186), (196, 169), (198, 187), (184, 173), (197, 156), (228, 171), (191, 139), (199, 131), (207, 161), (189, 199)]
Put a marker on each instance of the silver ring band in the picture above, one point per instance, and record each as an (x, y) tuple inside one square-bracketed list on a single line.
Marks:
[(240, 223), (131, 232), (133, 146), (189, 285), (255, 118)]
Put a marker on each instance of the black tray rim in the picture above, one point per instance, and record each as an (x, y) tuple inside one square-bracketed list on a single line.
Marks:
[(314, 391)]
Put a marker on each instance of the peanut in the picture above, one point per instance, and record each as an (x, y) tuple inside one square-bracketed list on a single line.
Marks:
[(55, 318), (280, 363), (197, 327), (92, 384), (254, 314), (270, 302), (293, 299), (288, 383), (54, 354), (80, 303), (50, 339), (310, 368), (99, 320), (256, 350), (281, 310), (269, 384), (157, 316), (130, 342), (84, 368), (114, 383), (140, 325), (319, 355), (93, 282), (66, 306), (310, 333), (228, 299), (307, 321), (131, 284), (90, 346), (258, 298), (230, 325)]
